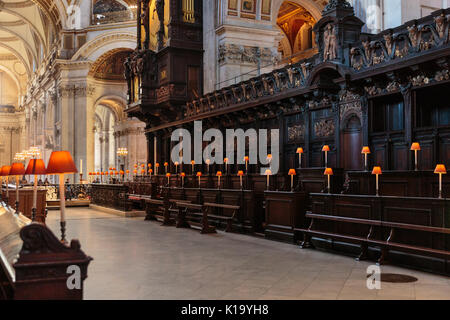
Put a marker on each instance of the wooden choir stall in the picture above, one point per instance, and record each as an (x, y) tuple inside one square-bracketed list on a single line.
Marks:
[(362, 101)]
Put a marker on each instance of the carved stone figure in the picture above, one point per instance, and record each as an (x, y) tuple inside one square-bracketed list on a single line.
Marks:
[(414, 36), (367, 51), (330, 43), (440, 25), (388, 43)]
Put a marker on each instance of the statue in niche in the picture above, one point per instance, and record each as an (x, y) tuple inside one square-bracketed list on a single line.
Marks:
[(330, 43)]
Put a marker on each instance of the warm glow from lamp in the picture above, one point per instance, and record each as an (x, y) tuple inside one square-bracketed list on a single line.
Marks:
[(415, 146), (300, 150), (325, 148), (377, 170), (268, 173), (365, 150), (219, 174), (240, 174)]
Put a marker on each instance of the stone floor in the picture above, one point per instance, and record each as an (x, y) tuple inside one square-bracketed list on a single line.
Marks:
[(137, 259)]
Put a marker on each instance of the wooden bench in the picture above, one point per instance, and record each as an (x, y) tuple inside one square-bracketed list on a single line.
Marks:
[(158, 209), (364, 242), (220, 207), (188, 213), (34, 264)]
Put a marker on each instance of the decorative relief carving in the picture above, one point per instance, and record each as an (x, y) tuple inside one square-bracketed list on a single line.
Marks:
[(232, 53), (350, 103), (296, 133), (324, 128)]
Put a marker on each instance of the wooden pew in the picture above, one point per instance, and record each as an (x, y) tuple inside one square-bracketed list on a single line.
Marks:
[(199, 215), (34, 264), (218, 214), (26, 202), (410, 231)]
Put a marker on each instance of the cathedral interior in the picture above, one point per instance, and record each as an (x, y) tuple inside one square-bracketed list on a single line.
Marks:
[(356, 91)]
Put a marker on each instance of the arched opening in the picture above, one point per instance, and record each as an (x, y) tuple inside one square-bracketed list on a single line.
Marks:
[(111, 11), (104, 138), (351, 141), (296, 24)]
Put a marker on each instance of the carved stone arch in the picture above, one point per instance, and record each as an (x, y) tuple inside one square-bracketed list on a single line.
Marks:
[(115, 103), (348, 122), (100, 45), (330, 70), (312, 6)]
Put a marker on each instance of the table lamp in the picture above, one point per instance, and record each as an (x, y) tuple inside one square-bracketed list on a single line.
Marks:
[(292, 173), (35, 167), (17, 170), (4, 172), (199, 175), (377, 171), (240, 174), (182, 179), (328, 172), (300, 152), (219, 174), (365, 151), (415, 147), (60, 163), (440, 169)]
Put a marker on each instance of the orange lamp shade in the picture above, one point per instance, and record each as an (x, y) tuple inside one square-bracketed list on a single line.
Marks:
[(5, 171), (225, 160), (135, 166), (219, 173), (376, 170), (106, 173), (121, 172), (142, 171), (292, 172), (240, 173), (61, 162), (128, 171), (149, 165), (183, 174), (157, 165), (199, 174), (365, 150), (135, 171), (37, 166), (328, 172), (300, 150), (165, 164), (102, 173), (150, 170), (167, 174), (117, 173), (142, 165), (192, 162), (176, 163), (325, 148), (440, 168), (268, 172), (17, 169), (415, 146), (246, 158)]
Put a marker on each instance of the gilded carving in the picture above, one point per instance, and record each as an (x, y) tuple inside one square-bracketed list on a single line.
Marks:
[(324, 128), (296, 133)]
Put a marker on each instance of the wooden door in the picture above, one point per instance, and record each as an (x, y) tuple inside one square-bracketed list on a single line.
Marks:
[(351, 142)]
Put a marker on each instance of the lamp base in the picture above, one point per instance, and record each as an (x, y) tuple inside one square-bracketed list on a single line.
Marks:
[(33, 214), (63, 232)]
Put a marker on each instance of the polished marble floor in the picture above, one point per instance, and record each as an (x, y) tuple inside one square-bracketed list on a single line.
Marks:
[(137, 259)]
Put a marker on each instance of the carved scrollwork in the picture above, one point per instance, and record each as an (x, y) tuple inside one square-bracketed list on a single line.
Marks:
[(324, 128)]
